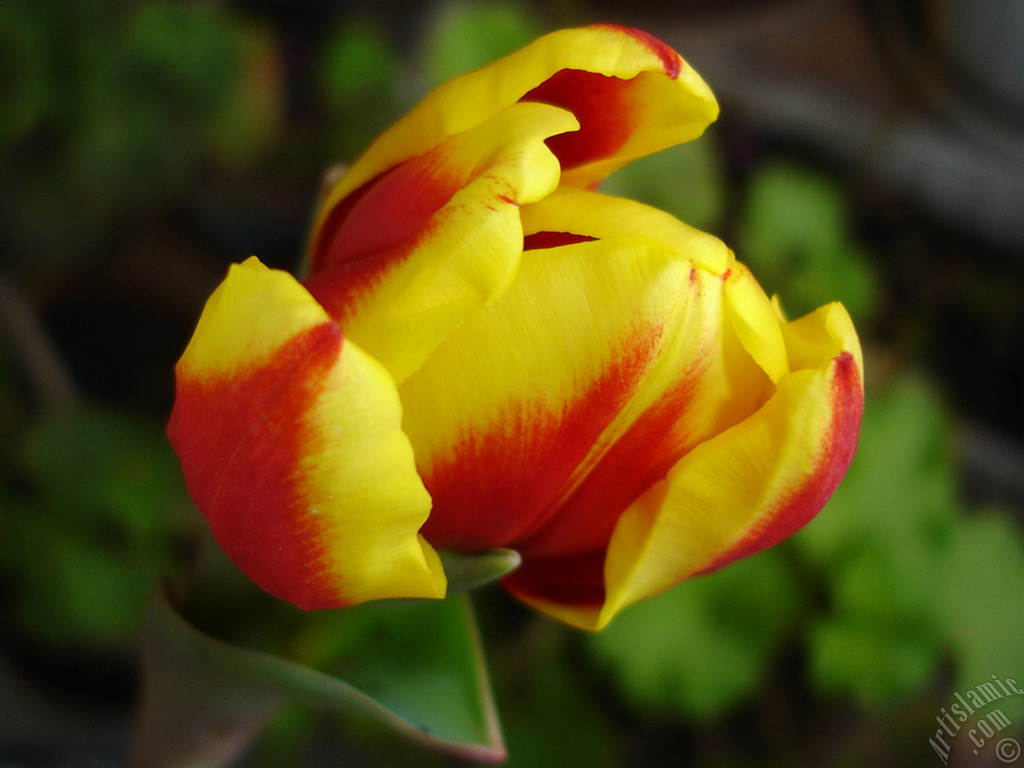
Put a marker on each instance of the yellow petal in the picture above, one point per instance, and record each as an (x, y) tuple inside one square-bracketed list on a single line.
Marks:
[(665, 103), (290, 440), (756, 322), (541, 417), (582, 212), (436, 238), (755, 483), (828, 331)]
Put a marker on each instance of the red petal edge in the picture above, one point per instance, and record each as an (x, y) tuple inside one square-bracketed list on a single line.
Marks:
[(799, 508), (671, 61)]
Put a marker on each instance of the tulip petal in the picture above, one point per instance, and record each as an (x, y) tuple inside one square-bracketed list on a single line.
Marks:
[(632, 94), (290, 440), (597, 216), (573, 392), (741, 491), (755, 321), (434, 239), (582, 212)]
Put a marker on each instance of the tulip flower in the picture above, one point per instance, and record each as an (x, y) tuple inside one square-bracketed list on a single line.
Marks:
[(489, 353)]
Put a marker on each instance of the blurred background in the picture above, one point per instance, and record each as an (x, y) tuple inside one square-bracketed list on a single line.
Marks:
[(869, 152)]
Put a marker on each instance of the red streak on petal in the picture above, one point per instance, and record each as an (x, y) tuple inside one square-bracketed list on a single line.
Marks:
[(339, 290), (321, 253), (539, 240), (671, 61), (601, 105), (389, 210), (638, 459), (797, 509), (377, 226), (241, 439), (497, 483)]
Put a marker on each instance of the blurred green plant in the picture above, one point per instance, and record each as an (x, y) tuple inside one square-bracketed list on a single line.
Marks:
[(357, 84), (687, 180), (795, 233), (24, 77), (110, 110), (704, 647), (92, 513), (463, 35), (906, 579), (979, 584), (880, 543)]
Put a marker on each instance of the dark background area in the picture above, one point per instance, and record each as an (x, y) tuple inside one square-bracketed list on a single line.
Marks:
[(867, 152)]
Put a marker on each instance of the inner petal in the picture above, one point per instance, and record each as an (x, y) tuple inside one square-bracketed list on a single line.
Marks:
[(524, 406), (599, 102)]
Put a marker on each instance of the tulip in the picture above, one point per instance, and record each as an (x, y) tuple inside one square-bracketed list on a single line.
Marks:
[(489, 353)]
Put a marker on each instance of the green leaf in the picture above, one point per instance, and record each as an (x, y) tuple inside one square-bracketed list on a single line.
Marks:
[(416, 668), (703, 647)]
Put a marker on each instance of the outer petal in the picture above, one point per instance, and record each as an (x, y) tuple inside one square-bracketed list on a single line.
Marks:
[(408, 257), (541, 418), (654, 101), (290, 440), (742, 491)]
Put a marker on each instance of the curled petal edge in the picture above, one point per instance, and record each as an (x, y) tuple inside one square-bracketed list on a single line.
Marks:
[(399, 299), (748, 487), (468, 100)]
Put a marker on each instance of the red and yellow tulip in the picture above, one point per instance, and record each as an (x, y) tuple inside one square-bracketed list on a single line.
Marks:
[(488, 353)]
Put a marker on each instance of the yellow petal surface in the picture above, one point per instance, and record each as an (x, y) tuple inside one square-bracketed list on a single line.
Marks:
[(438, 237), (290, 440), (582, 212), (538, 420), (667, 104), (748, 487), (756, 322)]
